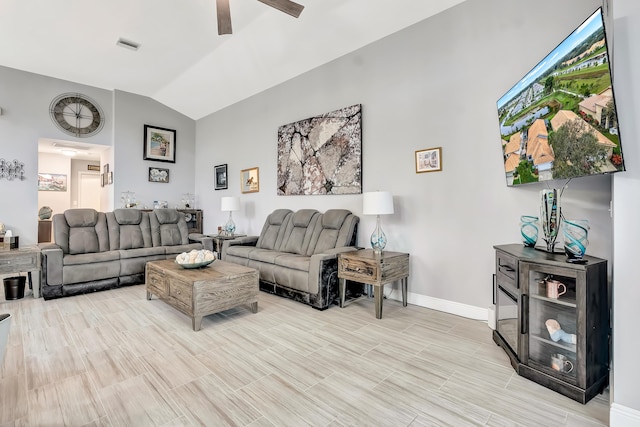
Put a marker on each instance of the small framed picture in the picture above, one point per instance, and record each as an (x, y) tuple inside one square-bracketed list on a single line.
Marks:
[(250, 180), (159, 144), (95, 168), (429, 160), (101, 180), (159, 175), (220, 177), (110, 177), (105, 169)]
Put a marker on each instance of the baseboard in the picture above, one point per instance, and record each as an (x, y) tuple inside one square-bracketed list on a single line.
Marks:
[(452, 307), (622, 416)]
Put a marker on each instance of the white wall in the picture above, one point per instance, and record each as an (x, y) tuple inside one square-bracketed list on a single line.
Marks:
[(626, 197), (433, 84)]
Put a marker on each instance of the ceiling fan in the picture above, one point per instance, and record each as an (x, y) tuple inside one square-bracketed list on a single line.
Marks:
[(224, 13)]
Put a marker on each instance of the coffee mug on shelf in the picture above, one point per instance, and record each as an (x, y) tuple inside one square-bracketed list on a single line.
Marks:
[(555, 288), (561, 363)]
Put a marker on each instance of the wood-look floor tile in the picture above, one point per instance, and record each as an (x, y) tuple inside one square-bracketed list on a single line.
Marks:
[(137, 402), (13, 399), (350, 341), (97, 339), (209, 402), (294, 368), (245, 339), (112, 366), (173, 368), (13, 363), (71, 401), (233, 367), (284, 405), (52, 366), (297, 339), (442, 339)]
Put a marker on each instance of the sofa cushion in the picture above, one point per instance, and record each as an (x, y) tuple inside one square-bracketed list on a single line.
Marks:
[(129, 229), (265, 255), (83, 231), (297, 262), (168, 228), (326, 235), (299, 231), (273, 230)]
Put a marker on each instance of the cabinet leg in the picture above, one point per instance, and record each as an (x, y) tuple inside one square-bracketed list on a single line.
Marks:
[(254, 307), (342, 285), (379, 294), (196, 323), (403, 283), (148, 295)]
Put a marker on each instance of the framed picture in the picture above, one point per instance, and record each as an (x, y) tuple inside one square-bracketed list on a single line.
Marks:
[(105, 169), (101, 180), (249, 180), (220, 177), (52, 182), (429, 160), (95, 168), (110, 177), (158, 175), (159, 144)]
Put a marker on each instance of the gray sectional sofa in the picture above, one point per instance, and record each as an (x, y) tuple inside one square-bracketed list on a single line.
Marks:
[(94, 251), (296, 253)]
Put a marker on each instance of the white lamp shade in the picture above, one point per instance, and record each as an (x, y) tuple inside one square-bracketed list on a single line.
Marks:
[(377, 203), (230, 204)]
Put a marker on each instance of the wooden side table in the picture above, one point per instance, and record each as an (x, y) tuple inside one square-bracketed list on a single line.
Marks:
[(219, 239), (27, 259), (365, 266)]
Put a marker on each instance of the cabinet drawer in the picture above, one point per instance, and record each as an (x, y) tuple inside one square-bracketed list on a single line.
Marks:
[(359, 270), (507, 269), (181, 291), (12, 263), (156, 283)]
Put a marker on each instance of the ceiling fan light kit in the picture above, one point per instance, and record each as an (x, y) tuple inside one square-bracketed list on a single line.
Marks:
[(224, 12)]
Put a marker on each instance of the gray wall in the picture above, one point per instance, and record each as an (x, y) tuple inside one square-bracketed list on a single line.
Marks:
[(131, 172), (433, 84), (25, 99)]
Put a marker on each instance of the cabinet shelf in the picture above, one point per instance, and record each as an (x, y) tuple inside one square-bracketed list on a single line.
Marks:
[(564, 301), (558, 344)]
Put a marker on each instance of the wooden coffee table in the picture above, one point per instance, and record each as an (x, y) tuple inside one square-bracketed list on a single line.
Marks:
[(203, 291)]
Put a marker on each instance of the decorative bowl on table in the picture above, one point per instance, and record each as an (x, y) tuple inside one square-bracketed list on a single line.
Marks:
[(195, 258)]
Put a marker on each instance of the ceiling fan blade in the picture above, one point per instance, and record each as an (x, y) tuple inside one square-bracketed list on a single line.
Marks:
[(224, 17), (286, 6)]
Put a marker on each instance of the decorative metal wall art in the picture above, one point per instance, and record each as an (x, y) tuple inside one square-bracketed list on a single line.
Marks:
[(322, 154), (11, 169)]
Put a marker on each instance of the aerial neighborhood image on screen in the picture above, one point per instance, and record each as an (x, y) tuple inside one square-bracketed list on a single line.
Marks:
[(560, 120)]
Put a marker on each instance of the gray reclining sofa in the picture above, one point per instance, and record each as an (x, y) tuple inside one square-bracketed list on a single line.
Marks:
[(95, 251), (296, 253)]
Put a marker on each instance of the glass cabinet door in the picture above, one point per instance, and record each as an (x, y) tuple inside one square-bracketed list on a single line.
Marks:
[(550, 307)]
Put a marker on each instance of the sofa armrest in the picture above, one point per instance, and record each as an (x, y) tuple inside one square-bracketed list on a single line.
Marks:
[(51, 264), (335, 251), (244, 241), (206, 241)]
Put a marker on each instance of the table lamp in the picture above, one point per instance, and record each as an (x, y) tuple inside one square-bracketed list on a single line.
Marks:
[(230, 204), (377, 203)]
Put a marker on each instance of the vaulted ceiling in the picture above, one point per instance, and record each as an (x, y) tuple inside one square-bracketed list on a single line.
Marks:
[(182, 62)]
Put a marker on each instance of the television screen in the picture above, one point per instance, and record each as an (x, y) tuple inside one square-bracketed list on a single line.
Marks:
[(559, 121)]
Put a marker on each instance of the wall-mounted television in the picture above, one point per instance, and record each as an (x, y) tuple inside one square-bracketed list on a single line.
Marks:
[(559, 121)]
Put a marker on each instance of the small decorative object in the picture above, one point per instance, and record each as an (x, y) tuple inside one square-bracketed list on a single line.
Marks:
[(189, 201), (195, 258), (52, 182), (556, 333), (529, 230), (159, 144), (45, 212), (11, 170), (2, 229), (230, 204), (159, 175), (575, 232), (220, 177), (429, 160), (550, 217), (250, 180), (128, 199), (377, 203)]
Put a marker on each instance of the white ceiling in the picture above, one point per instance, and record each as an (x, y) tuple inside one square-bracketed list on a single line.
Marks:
[(183, 62)]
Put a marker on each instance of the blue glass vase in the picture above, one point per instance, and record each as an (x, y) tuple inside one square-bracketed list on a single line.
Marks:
[(576, 233), (529, 230)]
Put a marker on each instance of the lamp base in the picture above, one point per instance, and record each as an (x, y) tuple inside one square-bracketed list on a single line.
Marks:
[(378, 238)]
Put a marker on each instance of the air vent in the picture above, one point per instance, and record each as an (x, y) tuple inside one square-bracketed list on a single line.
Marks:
[(127, 44)]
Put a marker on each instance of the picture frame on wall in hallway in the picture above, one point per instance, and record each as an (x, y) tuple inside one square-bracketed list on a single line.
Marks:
[(159, 144), (220, 177), (52, 182), (250, 180), (429, 160)]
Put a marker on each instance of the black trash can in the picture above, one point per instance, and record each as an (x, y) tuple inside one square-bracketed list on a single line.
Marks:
[(14, 287)]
